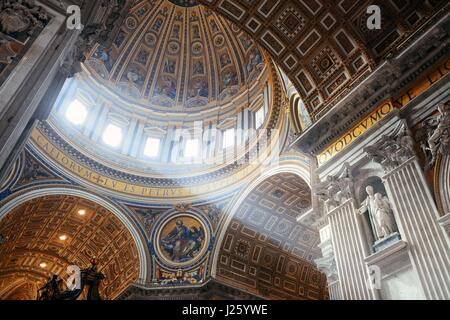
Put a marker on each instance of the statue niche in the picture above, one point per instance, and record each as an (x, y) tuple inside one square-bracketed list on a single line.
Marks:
[(382, 221)]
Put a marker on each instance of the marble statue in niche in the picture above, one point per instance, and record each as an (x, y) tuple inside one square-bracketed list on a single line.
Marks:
[(380, 214), (384, 217)]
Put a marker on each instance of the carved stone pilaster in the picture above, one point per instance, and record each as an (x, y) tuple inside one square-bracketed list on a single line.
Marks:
[(393, 149)]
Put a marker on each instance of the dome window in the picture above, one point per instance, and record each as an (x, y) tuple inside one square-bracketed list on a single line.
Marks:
[(113, 135), (191, 149), (228, 138), (259, 118), (76, 112), (152, 147)]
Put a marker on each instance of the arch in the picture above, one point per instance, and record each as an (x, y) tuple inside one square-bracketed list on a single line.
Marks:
[(263, 248), (285, 166), (14, 201), (12, 291), (6, 291)]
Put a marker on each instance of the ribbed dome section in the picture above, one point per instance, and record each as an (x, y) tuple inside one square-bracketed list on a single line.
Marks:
[(177, 56)]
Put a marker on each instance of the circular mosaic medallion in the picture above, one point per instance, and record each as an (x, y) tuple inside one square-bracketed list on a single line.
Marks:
[(173, 47), (131, 23), (197, 48), (182, 240), (219, 41)]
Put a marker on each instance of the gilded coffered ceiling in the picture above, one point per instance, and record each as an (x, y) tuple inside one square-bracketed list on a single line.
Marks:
[(48, 234)]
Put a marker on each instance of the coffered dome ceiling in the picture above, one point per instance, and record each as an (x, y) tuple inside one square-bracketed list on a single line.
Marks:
[(176, 55)]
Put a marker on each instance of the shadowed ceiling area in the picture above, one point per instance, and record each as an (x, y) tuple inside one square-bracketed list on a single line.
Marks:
[(48, 234), (265, 250)]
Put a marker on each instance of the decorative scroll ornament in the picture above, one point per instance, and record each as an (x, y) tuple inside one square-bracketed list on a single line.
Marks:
[(337, 189), (434, 135), (392, 150)]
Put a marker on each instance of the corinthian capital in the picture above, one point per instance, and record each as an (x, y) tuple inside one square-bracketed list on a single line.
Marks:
[(336, 189), (392, 150)]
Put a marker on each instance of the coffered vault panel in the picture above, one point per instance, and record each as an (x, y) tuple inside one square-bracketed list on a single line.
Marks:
[(33, 230), (264, 248), (323, 46)]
